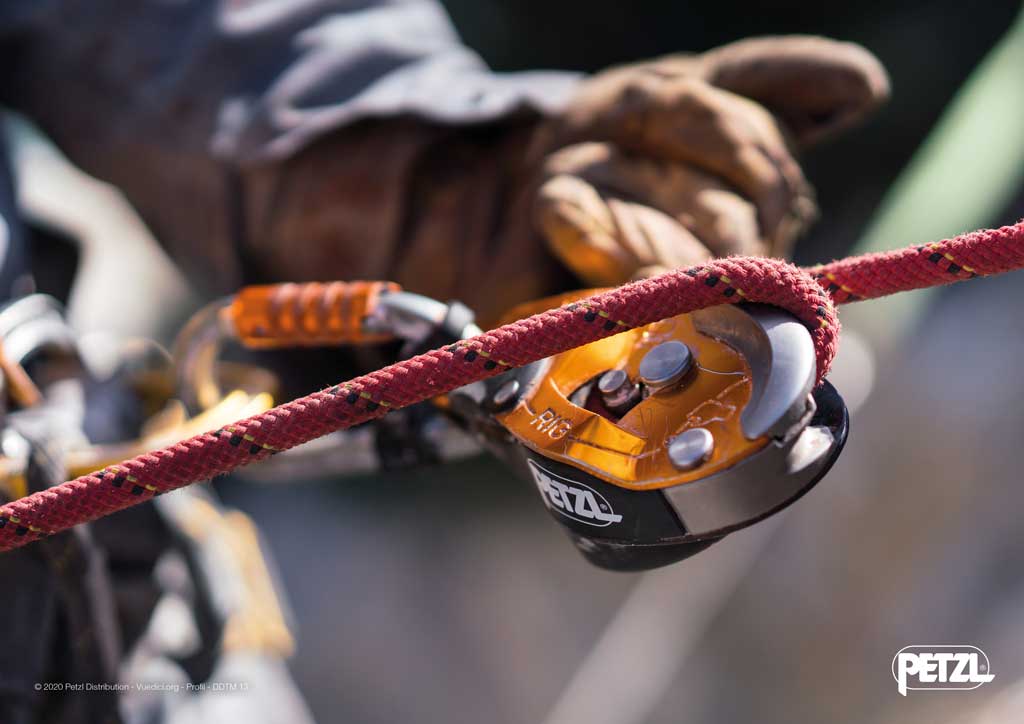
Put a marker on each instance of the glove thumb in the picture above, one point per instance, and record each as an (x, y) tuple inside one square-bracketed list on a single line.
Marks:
[(815, 85)]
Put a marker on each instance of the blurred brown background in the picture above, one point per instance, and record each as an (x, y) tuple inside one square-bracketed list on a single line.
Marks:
[(449, 596), (452, 597)]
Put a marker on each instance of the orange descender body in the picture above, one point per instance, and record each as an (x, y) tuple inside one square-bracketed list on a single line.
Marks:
[(649, 445)]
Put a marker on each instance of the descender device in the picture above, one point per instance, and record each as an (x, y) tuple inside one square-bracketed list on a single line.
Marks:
[(646, 446), (652, 444)]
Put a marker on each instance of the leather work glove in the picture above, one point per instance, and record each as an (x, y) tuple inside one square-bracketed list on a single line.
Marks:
[(651, 166), (675, 160)]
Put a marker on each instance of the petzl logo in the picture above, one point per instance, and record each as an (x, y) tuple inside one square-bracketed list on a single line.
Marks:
[(573, 500), (942, 668)]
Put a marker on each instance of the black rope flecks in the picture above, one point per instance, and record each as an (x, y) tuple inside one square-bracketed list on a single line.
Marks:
[(593, 314), (840, 293), (945, 260), (237, 437), (22, 527), (353, 396), (120, 477), (725, 284), (473, 354), (729, 290)]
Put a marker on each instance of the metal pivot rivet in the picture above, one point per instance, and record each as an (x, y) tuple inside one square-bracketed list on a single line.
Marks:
[(505, 394), (691, 448), (665, 365), (612, 381), (617, 390)]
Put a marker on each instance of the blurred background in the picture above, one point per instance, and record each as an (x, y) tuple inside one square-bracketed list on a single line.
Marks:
[(448, 595)]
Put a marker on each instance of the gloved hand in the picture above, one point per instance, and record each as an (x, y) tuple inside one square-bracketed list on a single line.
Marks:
[(666, 163), (654, 165)]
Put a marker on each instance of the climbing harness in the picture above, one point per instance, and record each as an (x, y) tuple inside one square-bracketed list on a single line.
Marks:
[(647, 446)]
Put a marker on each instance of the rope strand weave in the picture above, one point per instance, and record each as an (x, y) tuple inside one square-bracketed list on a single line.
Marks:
[(809, 294)]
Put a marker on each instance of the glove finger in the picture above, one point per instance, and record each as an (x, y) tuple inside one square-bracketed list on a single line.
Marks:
[(815, 85), (714, 213), (690, 122), (603, 238)]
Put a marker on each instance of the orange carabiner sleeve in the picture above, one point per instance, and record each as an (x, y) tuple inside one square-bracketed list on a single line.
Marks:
[(313, 314)]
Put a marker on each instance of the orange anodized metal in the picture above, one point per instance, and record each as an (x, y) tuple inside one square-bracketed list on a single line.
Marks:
[(631, 451), (310, 314)]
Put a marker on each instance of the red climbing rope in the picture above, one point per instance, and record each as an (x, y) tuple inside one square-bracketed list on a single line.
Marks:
[(809, 294)]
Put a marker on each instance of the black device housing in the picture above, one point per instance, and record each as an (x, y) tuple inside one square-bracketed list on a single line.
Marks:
[(650, 534)]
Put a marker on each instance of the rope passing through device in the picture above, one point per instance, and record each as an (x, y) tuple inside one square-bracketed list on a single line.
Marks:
[(810, 294)]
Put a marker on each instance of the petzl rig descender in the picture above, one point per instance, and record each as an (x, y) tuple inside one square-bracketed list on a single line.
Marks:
[(652, 444)]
